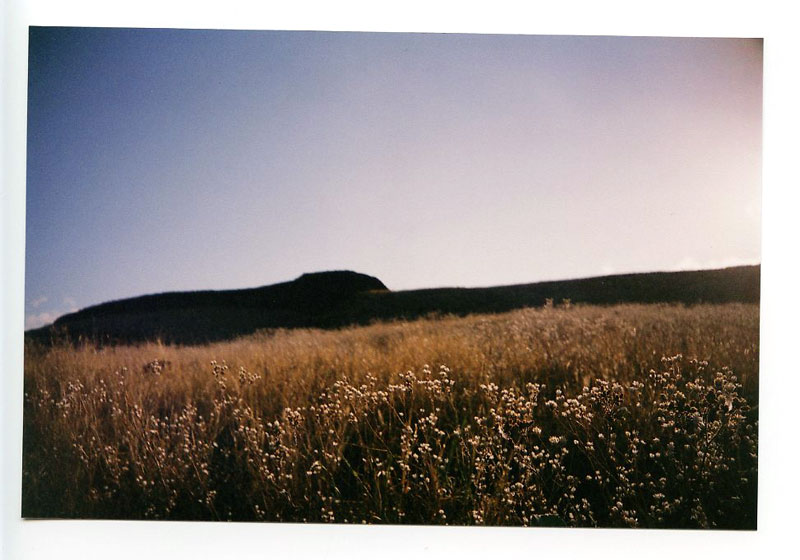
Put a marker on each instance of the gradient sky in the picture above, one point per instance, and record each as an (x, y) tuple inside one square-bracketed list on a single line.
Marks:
[(163, 160)]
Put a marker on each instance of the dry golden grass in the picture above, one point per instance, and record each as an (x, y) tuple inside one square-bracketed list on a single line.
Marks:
[(632, 415)]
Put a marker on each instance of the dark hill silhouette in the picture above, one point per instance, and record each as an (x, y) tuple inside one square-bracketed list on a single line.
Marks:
[(341, 298)]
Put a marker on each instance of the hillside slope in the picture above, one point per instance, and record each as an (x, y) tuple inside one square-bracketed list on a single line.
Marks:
[(340, 298)]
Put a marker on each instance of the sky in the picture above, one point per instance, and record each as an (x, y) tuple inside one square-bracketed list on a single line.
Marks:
[(163, 160)]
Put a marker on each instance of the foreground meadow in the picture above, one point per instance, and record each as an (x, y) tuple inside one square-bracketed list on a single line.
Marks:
[(622, 416)]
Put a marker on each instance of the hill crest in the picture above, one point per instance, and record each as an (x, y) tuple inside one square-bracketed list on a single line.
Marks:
[(341, 298)]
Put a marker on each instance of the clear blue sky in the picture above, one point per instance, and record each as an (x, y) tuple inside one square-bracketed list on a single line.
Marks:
[(163, 160)]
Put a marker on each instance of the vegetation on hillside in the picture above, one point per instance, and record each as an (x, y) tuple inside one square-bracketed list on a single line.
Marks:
[(342, 298), (621, 416)]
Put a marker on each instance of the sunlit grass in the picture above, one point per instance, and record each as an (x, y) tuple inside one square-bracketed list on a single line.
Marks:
[(629, 415)]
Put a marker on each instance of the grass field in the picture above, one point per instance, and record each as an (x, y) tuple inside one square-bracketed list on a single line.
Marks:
[(619, 416)]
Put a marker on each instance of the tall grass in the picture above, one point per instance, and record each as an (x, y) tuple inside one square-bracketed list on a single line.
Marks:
[(632, 415)]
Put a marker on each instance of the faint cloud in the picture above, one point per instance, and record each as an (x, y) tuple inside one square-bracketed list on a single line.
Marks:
[(690, 263), (687, 263), (42, 318), (608, 269), (71, 304), (36, 320)]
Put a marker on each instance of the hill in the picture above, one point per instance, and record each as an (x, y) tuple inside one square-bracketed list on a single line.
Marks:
[(341, 298)]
